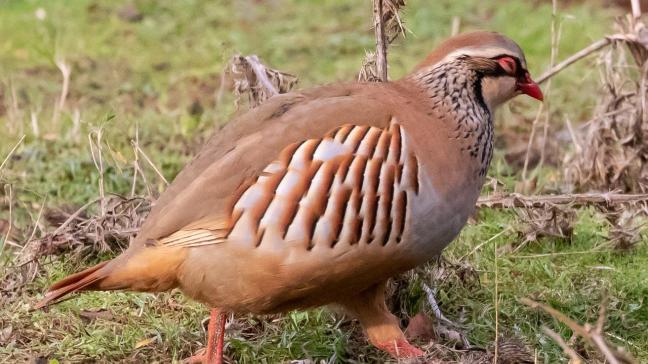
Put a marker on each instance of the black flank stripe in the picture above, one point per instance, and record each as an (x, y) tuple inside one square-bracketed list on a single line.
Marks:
[(344, 168), (292, 156), (309, 180), (345, 136), (364, 134), (260, 238), (295, 210), (311, 233), (342, 204), (403, 217), (365, 162), (310, 157), (237, 216), (358, 230)]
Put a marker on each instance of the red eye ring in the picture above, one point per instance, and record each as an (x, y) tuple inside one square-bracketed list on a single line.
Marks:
[(508, 64)]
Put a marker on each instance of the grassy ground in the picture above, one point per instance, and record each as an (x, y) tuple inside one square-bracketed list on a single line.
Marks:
[(161, 75)]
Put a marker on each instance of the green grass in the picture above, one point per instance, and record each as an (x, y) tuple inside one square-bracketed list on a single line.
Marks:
[(146, 75)]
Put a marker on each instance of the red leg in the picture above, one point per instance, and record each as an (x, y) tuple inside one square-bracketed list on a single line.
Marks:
[(213, 353), (379, 324)]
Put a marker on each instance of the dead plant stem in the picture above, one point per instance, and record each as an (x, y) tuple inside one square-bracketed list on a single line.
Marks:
[(65, 72), (8, 233), (12, 151), (40, 214), (135, 160), (496, 305), (530, 142), (150, 162), (259, 72), (555, 41), (571, 353), (381, 44), (492, 238), (539, 201), (97, 158), (73, 216), (574, 58)]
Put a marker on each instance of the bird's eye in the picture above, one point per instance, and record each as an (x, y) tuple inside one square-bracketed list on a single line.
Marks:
[(508, 64)]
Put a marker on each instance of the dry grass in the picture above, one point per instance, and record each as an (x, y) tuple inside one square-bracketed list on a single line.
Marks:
[(592, 334), (388, 26), (258, 81), (460, 288), (611, 151)]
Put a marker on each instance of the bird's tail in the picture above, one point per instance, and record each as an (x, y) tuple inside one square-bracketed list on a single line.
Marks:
[(75, 282), (147, 270)]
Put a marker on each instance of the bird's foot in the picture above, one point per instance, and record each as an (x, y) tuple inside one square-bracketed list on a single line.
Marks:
[(400, 348), (202, 357), (196, 359)]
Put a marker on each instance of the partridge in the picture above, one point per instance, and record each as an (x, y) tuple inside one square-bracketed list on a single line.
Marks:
[(319, 196)]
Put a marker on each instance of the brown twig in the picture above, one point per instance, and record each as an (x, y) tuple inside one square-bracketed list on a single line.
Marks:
[(612, 152), (135, 143), (530, 142), (387, 26), (456, 25), (12, 151), (262, 77), (258, 81), (150, 162), (73, 216), (65, 72), (76, 125), (544, 255), (83, 234), (436, 310), (8, 234), (97, 158), (492, 238), (13, 114), (381, 44), (576, 200), (40, 213), (571, 353), (555, 40), (496, 305), (574, 58), (137, 170), (33, 117), (594, 335)]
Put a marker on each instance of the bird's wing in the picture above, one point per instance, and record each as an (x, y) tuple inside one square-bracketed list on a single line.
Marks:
[(349, 186), (207, 188)]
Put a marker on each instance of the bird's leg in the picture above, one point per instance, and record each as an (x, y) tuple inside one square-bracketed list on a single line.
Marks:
[(213, 353), (380, 325)]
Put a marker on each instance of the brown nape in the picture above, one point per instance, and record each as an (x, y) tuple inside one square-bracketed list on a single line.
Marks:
[(474, 40), (486, 66)]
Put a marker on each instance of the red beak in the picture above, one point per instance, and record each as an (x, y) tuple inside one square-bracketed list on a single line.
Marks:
[(527, 86)]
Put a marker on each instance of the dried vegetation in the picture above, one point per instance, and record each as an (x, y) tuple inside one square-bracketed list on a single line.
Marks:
[(610, 153)]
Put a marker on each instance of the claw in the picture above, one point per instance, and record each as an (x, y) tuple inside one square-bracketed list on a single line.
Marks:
[(401, 348)]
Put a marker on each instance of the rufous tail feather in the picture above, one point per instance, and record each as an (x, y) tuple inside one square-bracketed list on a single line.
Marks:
[(147, 269), (73, 283)]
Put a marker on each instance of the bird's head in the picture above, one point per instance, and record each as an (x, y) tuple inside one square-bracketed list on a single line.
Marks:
[(496, 58)]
